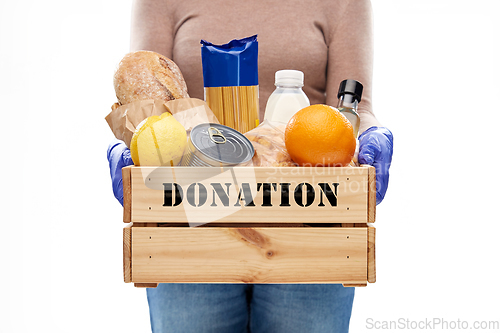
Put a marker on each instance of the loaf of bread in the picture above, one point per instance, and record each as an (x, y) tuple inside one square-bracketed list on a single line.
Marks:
[(145, 75)]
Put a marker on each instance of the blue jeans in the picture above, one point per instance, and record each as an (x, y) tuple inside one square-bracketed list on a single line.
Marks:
[(258, 308)]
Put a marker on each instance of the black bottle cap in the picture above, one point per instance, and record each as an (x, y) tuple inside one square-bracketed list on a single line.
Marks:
[(351, 87)]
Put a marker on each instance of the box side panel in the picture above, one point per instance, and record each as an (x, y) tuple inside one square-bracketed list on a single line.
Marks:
[(127, 255), (127, 194), (372, 194), (249, 255), (243, 194), (371, 255)]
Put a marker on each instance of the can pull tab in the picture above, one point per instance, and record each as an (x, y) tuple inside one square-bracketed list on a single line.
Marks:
[(216, 136)]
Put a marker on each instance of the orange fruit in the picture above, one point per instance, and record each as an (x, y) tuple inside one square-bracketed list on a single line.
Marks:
[(319, 135)]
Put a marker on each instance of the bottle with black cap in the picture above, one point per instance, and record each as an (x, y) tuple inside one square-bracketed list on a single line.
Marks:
[(349, 96)]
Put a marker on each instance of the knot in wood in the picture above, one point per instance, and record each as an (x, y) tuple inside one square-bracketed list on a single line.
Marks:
[(252, 236)]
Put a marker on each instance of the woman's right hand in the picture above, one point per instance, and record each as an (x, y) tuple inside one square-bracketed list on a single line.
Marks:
[(118, 157)]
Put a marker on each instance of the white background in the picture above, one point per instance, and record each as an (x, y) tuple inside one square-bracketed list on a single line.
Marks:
[(436, 86)]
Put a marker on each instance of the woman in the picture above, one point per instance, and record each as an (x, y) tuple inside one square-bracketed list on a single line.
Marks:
[(327, 40)]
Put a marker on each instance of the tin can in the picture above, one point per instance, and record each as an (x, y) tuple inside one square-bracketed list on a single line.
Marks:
[(213, 145)]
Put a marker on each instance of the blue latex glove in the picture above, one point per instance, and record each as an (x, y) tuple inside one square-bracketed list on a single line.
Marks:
[(375, 148), (118, 157)]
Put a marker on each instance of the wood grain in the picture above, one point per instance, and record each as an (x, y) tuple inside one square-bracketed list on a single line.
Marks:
[(371, 273), (354, 284), (372, 194), (127, 255), (249, 255), (127, 194), (353, 195), (146, 285)]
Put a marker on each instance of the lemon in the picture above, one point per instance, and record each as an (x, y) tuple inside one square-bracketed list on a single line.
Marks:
[(158, 140)]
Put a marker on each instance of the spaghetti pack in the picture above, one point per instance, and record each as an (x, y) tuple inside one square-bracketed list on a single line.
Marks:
[(230, 78)]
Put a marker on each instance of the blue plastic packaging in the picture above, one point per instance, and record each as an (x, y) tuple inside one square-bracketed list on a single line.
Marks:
[(231, 64)]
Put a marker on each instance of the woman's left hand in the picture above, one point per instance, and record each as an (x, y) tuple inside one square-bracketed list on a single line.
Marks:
[(375, 148)]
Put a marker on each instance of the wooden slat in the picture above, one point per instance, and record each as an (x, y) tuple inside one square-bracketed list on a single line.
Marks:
[(372, 194), (371, 273), (149, 225), (148, 199), (127, 194), (146, 285), (249, 255), (127, 256), (354, 284)]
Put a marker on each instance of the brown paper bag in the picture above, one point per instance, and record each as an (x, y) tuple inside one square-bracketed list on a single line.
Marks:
[(190, 112)]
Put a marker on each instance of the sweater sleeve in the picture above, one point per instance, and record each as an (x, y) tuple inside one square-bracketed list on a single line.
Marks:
[(152, 27), (350, 56)]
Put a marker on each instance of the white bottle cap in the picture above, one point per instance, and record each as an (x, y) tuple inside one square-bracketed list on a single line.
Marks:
[(289, 77)]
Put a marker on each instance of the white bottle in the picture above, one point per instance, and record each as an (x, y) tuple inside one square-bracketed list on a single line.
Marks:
[(288, 98)]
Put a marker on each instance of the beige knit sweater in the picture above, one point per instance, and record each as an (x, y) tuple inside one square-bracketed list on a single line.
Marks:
[(328, 40)]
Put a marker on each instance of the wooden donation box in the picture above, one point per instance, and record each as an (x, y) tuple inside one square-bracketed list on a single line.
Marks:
[(249, 225)]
